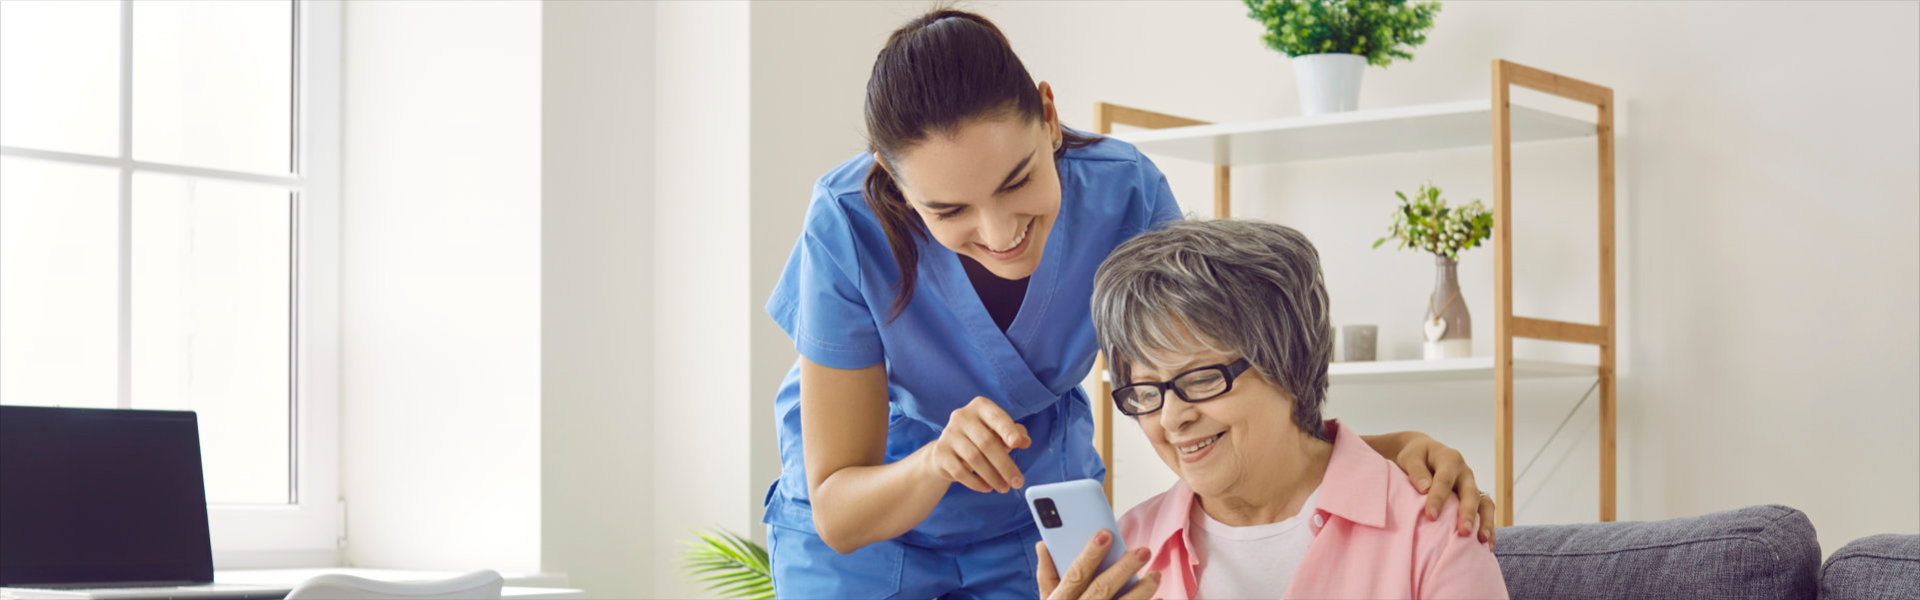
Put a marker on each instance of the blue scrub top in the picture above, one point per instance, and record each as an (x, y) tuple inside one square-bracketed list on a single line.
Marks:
[(837, 291)]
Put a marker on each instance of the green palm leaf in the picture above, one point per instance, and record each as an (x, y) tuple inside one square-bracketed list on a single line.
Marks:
[(727, 564)]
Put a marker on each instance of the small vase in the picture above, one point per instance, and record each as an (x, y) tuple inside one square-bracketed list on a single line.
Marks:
[(1449, 334), (1328, 83)]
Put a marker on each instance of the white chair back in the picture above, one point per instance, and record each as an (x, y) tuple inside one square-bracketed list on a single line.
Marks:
[(478, 585)]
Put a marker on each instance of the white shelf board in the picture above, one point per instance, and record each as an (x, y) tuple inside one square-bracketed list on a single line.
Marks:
[(1477, 368), (1418, 128)]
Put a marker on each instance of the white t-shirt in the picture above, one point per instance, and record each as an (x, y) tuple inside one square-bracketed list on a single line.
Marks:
[(1257, 561)]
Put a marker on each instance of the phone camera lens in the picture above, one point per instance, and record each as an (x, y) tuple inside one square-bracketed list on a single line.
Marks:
[(1049, 514)]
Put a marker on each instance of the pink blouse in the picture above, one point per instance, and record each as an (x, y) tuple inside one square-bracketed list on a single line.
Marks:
[(1371, 538)]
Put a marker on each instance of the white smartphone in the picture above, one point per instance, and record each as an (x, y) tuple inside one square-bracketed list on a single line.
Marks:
[(1068, 514)]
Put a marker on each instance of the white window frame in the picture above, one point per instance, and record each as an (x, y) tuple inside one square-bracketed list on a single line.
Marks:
[(309, 532)]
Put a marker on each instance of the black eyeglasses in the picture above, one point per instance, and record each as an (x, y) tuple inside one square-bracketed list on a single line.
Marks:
[(1198, 385)]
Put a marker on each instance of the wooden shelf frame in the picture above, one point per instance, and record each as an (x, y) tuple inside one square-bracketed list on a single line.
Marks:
[(1507, 326)]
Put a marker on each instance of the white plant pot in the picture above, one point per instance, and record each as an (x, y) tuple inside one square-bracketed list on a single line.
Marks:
[(1328, 82)]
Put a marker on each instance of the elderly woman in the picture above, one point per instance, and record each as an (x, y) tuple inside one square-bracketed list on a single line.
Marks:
[(1218, 333)]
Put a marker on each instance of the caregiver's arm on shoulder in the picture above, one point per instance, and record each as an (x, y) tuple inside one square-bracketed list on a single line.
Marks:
[(857, 499), (1421, 456), (1431, 465)]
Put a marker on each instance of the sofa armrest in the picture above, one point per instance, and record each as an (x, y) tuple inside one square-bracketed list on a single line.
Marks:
[(1873, 568)]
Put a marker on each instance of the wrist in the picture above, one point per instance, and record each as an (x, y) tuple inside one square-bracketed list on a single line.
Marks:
[(1388, 444), (925, 470)]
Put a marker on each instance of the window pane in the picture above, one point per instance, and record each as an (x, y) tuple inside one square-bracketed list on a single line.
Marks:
[(213, 84), (60, 75), (211, 316), (59, 284)]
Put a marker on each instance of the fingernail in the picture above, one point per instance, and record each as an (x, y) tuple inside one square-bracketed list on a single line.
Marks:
[(1019, 481), (1432, 514), (1101, 538), (1140, 553), (1422, 485)]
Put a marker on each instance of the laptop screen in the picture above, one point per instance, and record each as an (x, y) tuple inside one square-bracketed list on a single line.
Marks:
[(99, 496)]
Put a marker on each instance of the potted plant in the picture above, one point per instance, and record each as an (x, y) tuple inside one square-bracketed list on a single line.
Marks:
[(1426, 223), (1332, 42), (729, 565)]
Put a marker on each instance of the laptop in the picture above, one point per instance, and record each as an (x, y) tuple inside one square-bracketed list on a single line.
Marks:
[(106, 504)]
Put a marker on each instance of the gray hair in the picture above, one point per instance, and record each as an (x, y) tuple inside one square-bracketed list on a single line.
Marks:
[(1239, 286)]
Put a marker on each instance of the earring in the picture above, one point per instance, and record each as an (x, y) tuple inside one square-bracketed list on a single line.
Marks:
[(1056, 143)]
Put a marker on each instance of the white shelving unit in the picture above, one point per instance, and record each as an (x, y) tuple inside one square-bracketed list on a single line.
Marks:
[(1420, 128), (1497, 122), (1476, 368)]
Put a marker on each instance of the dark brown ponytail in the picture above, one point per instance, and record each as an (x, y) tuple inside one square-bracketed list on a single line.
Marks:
[(939, 71)]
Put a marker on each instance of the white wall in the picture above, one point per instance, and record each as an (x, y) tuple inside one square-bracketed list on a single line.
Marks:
[(596, 400), (501, 185), (440, 285), (702, 309), (1769, 244)]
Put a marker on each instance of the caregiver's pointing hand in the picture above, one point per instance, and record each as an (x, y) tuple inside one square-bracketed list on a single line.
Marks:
[(974, 448)]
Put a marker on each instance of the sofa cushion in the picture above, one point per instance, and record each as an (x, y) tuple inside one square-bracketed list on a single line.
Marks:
[(1875, 567), (1753, 552)]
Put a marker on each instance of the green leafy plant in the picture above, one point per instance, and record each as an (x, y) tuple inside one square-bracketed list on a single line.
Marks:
[(728, 565), (1380, 30), (1425, 222)]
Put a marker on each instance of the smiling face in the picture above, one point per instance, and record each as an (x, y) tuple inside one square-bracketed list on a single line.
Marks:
[(988, 190), (1226, 444)]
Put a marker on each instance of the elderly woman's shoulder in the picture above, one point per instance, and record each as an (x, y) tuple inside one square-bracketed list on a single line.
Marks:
[(1407, 502), (1407, 511), (1446, 563), (1359, 467)]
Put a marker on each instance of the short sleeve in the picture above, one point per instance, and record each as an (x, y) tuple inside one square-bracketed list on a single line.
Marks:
[(1158, 206), (1456, 566), (818, 301)]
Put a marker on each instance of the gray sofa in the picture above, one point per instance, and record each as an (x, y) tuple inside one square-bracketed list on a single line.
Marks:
[(1756, 552), (1881, 566)]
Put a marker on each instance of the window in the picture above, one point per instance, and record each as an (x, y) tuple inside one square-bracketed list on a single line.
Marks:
[(168, 240)]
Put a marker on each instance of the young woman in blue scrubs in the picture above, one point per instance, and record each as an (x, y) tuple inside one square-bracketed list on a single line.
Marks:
[(939, 298)]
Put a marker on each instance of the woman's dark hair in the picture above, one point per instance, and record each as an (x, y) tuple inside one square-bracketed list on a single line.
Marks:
[(939, 71)]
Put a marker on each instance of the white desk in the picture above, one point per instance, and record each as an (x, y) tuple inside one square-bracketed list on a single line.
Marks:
[(291, 578)]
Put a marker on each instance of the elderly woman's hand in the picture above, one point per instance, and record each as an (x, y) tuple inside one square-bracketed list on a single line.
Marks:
[(1431, 465), (1082, 582)]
